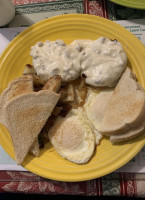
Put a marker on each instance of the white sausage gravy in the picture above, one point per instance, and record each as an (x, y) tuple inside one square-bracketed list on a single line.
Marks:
[(102, 61)]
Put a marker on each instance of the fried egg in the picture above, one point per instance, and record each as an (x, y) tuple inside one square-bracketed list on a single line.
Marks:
[(95, 107), (72, 137)]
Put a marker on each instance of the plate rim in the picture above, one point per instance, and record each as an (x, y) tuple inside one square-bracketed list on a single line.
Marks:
[(132, 4)]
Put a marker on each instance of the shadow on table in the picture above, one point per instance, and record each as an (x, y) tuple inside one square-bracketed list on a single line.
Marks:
[(9, 196)]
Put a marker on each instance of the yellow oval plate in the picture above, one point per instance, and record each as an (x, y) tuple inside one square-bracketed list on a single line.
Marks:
[(138, 4), (107, 157)]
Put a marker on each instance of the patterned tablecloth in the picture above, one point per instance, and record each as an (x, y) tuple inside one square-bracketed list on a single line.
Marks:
[(29, 12)]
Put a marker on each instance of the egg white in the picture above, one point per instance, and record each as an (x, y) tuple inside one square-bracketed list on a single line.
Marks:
[(72, 137)]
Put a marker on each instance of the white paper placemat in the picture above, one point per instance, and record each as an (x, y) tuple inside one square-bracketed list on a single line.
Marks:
[(137, 27)]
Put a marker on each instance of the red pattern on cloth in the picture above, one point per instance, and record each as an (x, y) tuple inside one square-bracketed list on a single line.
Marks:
[(97, 187), (26, 182), (128, 185), (101, 189), (97, 7), (21, 2)]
